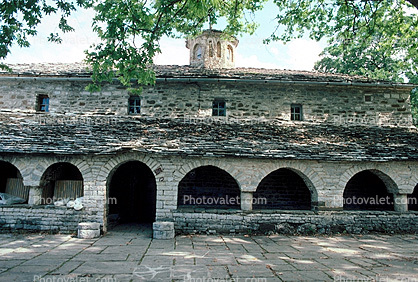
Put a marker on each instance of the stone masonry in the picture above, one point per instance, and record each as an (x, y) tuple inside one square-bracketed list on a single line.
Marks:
[(327, 180), (348, 125)]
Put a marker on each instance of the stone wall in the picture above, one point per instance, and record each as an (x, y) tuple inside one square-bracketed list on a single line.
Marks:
[(338, 104), (41, 218), (325, 180), (294, 222)]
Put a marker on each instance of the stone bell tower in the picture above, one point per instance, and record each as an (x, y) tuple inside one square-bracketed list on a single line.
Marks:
[(210, 50)]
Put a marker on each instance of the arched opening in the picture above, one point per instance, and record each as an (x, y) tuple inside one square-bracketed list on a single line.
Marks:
[(282, 189), (413, 200), (208, 187), (230, 54), (61, 181), (197, 52), (367, 191), (210, 48), (11, 181), (132, 194), (218, 49)]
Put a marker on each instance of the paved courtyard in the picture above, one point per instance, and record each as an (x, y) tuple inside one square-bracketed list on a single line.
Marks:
[(128, 253)]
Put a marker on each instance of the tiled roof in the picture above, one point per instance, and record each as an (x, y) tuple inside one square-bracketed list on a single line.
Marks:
[(55, 134), (163, 71)]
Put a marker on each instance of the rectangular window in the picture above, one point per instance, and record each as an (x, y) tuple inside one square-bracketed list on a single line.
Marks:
[(219, 108), (296, 112), (367, 98), (134, 105), (43, 103)]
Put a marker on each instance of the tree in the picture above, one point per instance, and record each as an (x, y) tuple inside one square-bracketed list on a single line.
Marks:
[(378, 39), (19, 19), (131, 31)]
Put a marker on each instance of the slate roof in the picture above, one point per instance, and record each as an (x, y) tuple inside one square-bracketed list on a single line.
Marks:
[(63, 135), (79, 70)]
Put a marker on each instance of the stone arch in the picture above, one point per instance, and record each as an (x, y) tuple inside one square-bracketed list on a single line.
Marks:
[(308, 175), (112, 164), (198, 52), (230, 168), (131, 192), (384, 174), (230, 53), (369, 189), (11, 181), (61, 180), (218, 49), (285, 188), (413, 200), (208, 187)]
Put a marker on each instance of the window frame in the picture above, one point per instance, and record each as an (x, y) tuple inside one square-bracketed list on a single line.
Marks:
[(368, 98), (230, 53), (216, 109), (294, 114), (42, 106), (135, 106)]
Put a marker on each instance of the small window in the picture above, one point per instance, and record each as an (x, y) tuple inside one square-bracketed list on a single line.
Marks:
[(367, 98), (230, 54), (43, 103), (210, 49), (218, 49), (134, 105), (198, 52), (219, 108), (296, 112)]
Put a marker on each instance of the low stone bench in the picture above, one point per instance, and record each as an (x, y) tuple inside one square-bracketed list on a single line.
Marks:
[(88, 230), (163, 230)]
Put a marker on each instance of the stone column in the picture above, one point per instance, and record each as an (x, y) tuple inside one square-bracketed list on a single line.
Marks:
[(246, 201), (35, 195), (400, 202)]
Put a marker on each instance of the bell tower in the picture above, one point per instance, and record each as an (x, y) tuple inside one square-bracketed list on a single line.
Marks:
[(210, 50)]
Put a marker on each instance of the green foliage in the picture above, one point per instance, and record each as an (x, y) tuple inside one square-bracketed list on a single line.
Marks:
[(131, 30), (383, 44), (377, 39), (19, 19)]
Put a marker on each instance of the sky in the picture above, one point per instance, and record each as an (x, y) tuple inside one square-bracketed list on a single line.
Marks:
[(300, 54)]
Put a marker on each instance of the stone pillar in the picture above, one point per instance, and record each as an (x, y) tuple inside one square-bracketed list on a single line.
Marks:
[(400, 202), (35, 195), (246, 201)]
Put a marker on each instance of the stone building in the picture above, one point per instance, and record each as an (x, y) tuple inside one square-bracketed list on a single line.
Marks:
[(210, 147)]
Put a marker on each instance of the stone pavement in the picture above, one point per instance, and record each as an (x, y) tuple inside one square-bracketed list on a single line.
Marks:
[(128, 253)]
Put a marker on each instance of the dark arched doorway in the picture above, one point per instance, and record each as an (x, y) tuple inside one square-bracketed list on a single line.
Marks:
[(132, 194), (61, 181), (11, 181), (282, 189), (413, 200), (367, 191), (208, 187)]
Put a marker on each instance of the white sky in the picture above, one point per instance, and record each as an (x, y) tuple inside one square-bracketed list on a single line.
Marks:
[(299, 54)]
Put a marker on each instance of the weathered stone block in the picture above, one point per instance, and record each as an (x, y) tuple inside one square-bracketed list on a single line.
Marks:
[(88, 230), (163, 230)]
